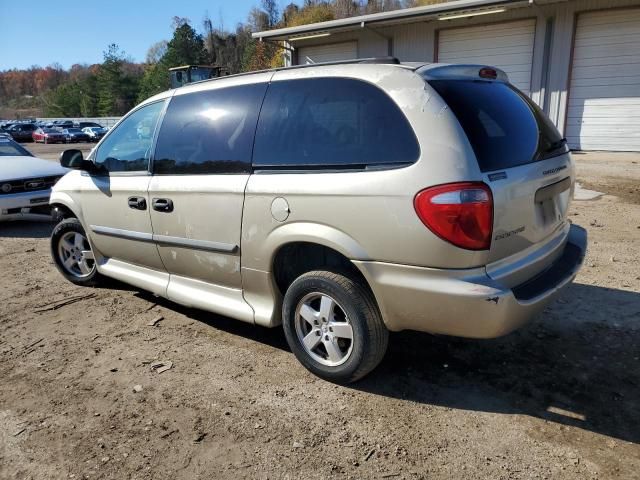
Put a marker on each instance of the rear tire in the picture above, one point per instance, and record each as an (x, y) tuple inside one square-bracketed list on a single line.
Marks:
[(72, 253), (333, 326)]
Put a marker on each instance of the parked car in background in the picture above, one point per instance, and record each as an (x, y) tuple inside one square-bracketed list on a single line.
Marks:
[(22, 132), (25, 182), (75, 135), (341, 201), (49, 135), (87, 124), (95, 133), (62, 124)]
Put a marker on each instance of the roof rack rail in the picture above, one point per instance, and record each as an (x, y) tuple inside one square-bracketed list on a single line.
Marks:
[(389, 59), (354, 61), (372, 60)]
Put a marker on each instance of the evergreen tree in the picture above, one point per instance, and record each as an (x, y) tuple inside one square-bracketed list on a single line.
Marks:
[(109, 81), (185, 48)]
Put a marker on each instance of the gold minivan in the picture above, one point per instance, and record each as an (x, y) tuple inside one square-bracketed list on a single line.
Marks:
[(342, 201)]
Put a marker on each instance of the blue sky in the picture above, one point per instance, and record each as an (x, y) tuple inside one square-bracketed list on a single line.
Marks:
[(78, 31)]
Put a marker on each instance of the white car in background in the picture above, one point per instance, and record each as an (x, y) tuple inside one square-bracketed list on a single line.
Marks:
[(95, 133), (25, 182)]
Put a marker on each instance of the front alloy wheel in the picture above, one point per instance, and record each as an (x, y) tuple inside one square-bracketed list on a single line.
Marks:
[(72, 253), (76, 255)]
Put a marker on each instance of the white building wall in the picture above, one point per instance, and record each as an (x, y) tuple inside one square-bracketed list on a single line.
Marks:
[(370, 43), (565, 15), (412, 42)]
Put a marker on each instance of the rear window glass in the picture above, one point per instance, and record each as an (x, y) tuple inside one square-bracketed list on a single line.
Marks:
[(504, 127), (331, 122)]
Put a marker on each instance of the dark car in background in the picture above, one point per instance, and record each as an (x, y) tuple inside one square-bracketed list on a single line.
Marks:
[(48, 135), (22, 132), (62, 124), (95, 133), (75, 135)]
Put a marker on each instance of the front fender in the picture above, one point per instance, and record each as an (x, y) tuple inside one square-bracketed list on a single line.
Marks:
[(67, 201)]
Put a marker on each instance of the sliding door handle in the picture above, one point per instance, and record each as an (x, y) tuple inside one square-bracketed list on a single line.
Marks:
[(162, 205), (137, 203)]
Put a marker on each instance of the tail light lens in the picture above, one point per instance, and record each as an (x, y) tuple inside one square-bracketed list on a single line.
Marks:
[(460, 213)]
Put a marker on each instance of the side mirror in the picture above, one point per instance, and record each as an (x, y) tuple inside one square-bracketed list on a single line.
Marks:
[(74, 159)]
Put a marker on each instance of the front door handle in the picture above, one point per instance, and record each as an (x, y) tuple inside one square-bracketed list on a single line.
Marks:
[(137, 203), (162, 205)]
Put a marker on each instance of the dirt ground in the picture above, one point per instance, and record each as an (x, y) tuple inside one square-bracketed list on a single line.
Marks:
[(558, 399)]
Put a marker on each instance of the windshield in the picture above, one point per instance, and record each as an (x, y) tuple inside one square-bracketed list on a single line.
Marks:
[(505, 128), (12, 149)]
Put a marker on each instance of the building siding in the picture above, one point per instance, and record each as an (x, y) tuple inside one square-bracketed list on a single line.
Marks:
[(603, 109), (507, 45)]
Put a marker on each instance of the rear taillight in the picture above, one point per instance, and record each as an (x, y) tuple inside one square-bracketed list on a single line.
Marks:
[(460, 213)]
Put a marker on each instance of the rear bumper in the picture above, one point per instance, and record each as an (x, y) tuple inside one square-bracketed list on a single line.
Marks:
[(468, 303), (25, 206)]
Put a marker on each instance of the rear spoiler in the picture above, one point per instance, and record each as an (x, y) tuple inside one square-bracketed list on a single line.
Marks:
[(462, 72)]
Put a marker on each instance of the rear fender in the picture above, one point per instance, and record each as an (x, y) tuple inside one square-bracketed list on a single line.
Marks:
[(310, 233), (259, 286)]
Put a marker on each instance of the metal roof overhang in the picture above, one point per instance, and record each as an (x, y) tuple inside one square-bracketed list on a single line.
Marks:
[(406, 15)]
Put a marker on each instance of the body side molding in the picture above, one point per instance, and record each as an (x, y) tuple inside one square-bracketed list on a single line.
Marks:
[(165, 239)]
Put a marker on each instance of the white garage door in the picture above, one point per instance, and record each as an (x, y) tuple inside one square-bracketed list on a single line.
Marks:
[(604, 96), (328, 53), (508, 46)]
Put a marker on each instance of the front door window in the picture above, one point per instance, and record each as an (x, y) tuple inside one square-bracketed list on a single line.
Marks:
[(128, 147)]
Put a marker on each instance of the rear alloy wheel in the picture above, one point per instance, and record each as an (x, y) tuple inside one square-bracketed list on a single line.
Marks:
[(333, 326), (72, 253), (324, 329)]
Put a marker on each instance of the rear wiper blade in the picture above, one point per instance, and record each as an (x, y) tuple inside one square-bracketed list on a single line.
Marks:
[(555, 145)]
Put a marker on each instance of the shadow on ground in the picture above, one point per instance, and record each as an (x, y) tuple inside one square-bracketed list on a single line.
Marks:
[(26, 229), (564, 367), (566, 370)]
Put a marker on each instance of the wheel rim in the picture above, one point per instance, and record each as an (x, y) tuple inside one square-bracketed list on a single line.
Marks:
[(75, 255), (324, 329)]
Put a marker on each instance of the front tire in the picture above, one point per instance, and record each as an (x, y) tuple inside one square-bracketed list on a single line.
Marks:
[(333, 326), (72, 253)]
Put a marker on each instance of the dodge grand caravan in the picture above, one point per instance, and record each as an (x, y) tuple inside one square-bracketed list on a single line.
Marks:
[(342, 201)]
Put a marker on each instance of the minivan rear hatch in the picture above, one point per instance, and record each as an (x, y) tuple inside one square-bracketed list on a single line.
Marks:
[(523, 159)]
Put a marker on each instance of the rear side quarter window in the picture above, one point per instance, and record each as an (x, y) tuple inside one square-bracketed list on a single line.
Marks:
[(331, 123), (209, 132)]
